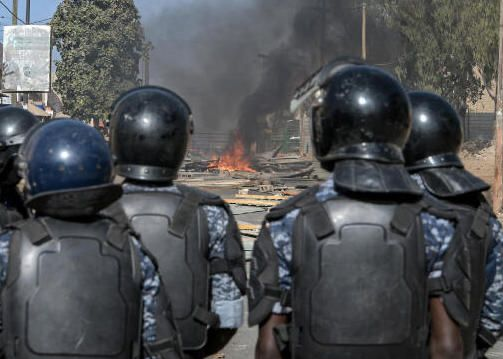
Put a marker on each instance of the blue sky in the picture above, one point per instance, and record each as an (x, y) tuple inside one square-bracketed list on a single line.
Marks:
[(42, 9)]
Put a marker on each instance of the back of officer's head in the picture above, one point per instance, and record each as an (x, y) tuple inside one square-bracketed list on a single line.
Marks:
[(150, 129), (436, 135), (362, 113), (67, 168)]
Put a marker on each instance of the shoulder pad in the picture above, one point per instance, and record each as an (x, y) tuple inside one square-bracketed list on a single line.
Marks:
[(405, 216), (486, 206), (441, 211), (304, 198), (204, 198), (433, 203), (18, 225), (115, 213), (8, 216), (451, 182), (32, 228)]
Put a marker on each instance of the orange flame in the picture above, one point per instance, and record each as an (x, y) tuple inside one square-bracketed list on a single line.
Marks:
[(233, 159)]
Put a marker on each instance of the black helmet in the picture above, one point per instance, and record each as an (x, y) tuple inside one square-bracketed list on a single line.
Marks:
[(362, 113), (320, 79), (436, 135), (149, 133), (14, 125), (67, 167)]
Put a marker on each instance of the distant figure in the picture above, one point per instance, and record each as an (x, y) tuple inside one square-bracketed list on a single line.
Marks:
[(469, 280), (192, 233), (340, 271), (77, 283), (15, 123)]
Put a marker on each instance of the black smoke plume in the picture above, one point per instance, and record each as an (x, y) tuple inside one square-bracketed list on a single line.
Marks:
[(236, 61)]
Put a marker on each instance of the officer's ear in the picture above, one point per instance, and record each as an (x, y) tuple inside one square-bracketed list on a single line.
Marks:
[(20, 164)]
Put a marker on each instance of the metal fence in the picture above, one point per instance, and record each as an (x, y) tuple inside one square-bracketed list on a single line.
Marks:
[(479, 126), (215, 142), (476, 126), (210, 142)]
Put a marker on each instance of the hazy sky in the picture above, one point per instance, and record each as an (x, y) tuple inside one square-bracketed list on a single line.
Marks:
[(42, 9)]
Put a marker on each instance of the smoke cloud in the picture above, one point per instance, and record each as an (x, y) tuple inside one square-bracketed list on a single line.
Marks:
[(236, 61)]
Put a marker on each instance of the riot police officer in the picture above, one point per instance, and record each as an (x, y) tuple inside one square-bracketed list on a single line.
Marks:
[(192, 233), (14, 125), (475, 252), (75, 282), (340, 270)]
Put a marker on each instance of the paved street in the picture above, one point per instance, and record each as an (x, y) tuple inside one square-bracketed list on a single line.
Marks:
[(496, 352), (242, 345)]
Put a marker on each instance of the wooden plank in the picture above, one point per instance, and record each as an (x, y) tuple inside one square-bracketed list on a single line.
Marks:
[(248, 227), (238, 210), (262, 197), (249, 235), (291, 192), (251, 202), (203, 182)]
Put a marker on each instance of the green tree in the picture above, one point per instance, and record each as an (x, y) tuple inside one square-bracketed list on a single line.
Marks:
[(449, 46), (481, 19), (100, 43)]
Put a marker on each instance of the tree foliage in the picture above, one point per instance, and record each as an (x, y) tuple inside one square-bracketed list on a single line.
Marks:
[(449, 46), (100, 43)]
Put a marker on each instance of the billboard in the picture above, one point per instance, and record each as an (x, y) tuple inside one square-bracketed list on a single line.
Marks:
[(26, 58)]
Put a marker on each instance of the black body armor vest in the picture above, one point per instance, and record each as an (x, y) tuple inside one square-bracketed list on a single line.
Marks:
[(174, 228), (358, 269), (73, 289), (462, 285), (359, 290)]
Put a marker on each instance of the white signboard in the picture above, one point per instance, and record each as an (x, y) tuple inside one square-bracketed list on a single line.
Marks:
[(6, 100), (26, 58)]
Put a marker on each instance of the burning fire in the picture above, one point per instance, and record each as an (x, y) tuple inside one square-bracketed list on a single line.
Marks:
[(233, 159)]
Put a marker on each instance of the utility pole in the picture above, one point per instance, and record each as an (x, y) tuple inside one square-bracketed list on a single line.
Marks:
[(28, 5), (13, 97), (27, 22), (146, 62), (14, 12), (146, 70), (498, 133), (364, 31)]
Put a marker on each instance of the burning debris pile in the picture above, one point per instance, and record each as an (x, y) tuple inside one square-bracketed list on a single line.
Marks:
[(235, 161)]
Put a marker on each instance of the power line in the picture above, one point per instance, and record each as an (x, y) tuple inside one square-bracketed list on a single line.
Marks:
[(40, 21), (10, 11)]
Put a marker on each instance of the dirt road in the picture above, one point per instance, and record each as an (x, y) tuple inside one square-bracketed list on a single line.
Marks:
[(481, 164)]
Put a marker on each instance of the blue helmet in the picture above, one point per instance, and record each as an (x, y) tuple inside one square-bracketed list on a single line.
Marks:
[(67, 168)]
